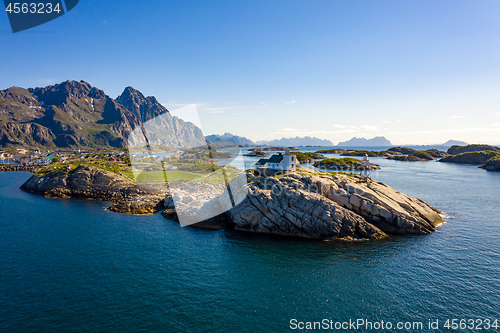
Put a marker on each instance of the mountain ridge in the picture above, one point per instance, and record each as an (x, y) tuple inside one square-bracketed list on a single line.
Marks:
[(74, 114), (229, 139), (297, 141), (357, 142)]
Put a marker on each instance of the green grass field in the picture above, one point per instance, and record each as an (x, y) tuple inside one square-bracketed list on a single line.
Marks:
[(158, 176)]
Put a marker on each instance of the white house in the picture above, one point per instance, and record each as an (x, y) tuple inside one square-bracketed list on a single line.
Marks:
[(42, 161), (285, 162)]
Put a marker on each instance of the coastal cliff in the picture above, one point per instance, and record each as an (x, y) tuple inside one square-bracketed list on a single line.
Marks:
[(320, 205), (95, 183)]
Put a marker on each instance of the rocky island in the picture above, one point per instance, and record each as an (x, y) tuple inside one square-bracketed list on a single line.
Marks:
[(308, 157), (95, 183), (455, 150), (415, 155), (487, 156), (343, 164), (322, 205), (257, 153)]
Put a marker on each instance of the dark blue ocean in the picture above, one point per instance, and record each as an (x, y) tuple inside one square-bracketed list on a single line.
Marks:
[(68, 265)]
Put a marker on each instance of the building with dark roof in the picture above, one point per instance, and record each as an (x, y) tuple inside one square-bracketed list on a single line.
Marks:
[(284, 162)]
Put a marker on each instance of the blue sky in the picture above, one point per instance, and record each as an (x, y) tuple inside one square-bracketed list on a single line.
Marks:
[(417, 72)]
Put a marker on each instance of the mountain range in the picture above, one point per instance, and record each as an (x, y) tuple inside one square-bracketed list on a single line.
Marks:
[(295, 142), (356, 142), (228, 139), (75, 114)]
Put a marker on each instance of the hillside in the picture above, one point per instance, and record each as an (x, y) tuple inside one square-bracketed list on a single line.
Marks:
[(77, 115)]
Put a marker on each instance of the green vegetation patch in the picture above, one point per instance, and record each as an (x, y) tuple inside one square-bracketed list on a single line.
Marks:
[(422, 154), (303, 157), (159, 176), (363, 152), (340, 161), (402, 150)]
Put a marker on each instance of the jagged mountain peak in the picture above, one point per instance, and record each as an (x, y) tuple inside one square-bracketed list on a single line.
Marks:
[(60, 93), (131, 93), (77, 114), (136, 102)]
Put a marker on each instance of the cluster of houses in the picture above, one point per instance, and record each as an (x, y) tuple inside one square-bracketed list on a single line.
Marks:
[(24, 157), (36, 157)]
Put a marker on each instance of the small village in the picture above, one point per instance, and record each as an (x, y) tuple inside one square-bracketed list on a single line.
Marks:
[(35, 157), (140, 166)]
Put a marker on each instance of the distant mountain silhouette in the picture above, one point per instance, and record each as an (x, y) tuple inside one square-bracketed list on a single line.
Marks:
[(295, 142), (228, 139), (454, 143), (376, 141)]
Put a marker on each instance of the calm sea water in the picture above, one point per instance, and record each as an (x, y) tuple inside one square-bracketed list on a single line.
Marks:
[(69, 265)]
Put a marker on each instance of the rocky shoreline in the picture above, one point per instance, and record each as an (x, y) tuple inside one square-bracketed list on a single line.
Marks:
[(307, 203), (340, 166), (95, 183), (319, 205)]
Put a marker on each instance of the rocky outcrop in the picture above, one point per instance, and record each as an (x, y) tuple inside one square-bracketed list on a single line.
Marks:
[(315, 204), (401, 150), (319, 206), (412, 158), (257, 153), (478, 157), (333, 151), (292, 210), (369, 153), (344, 164), (493, 164), (437, 153), (308, 157), (190, 200), (95, 183), (455, 150), (419, 155)]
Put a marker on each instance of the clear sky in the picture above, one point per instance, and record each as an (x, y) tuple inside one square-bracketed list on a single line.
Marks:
[(417, 72)]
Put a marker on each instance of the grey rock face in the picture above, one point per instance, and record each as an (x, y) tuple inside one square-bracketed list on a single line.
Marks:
[(492, 165), (92, 182), (76, 114), (322, 206), (294, 211)]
